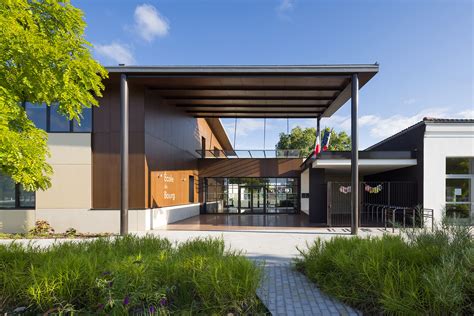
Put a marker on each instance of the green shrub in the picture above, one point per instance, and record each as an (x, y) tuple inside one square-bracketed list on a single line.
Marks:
[(417, 273), (134, 275)]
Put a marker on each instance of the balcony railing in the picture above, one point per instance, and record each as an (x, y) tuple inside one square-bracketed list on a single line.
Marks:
[(251, 153)]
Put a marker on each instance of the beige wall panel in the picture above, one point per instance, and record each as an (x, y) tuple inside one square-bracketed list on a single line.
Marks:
[(16, 221), (71, 188), (70, 148)]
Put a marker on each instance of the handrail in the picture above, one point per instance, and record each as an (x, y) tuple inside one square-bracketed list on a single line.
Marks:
[(250, 153)]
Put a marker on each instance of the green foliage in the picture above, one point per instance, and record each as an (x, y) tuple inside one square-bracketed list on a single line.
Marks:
[(427, 273), (43, 58), (305, 139), (129, 275), (41, 228)]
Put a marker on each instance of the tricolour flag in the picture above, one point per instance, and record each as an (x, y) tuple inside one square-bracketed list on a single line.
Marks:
[(326, 138), (317, 145)]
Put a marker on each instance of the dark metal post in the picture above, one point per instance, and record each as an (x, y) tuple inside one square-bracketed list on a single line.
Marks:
[(124, 100), (355, 154)]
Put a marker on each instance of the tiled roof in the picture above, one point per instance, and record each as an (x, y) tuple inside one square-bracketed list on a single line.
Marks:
[(446, 120)]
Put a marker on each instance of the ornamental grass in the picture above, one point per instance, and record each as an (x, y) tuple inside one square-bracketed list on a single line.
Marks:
[(417, 273), (128, 275)]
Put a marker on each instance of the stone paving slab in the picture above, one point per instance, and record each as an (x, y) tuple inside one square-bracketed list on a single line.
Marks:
[(285, 291)]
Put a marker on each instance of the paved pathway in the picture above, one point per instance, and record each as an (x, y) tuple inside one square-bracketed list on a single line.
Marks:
[(285, 291)]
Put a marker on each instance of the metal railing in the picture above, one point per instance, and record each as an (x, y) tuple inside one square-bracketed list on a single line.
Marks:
[(414, 214), (250, 153)]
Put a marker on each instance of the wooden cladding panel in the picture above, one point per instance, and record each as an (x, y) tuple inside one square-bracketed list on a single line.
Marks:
[(170, 188), (106, 150), (249, 167)]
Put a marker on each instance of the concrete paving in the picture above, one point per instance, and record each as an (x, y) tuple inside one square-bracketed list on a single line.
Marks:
[(273, 246), (285, 291)]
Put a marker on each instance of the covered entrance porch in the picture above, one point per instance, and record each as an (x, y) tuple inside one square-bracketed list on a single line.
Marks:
[(302, 91)]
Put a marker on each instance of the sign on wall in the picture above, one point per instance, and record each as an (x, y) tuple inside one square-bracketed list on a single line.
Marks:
[(170, 188)]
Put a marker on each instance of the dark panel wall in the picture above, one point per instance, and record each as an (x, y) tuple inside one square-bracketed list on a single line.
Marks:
[(317, 196), (410, 140), (106, 149), (171, 140), (249, 167)]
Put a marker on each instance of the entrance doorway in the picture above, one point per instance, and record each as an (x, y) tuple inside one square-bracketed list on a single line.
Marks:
[(252, 199), (251, 195)]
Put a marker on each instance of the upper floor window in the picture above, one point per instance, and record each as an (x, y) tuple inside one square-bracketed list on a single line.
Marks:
[(49, 119)]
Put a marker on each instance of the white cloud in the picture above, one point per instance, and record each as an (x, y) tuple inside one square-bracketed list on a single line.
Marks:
[(149, 23), (381, 127), (467, 114), (284, 8), (246, 127), (115, 52), (286, 5)]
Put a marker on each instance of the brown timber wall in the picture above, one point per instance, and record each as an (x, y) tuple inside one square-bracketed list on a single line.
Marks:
[(106, 149), (249, 167), (163, 138)]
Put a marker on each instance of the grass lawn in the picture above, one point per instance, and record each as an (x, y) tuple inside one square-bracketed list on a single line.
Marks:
[(427, 273), (128, 275)]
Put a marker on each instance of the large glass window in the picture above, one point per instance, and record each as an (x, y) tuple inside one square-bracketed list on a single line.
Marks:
[(251, 195), (37, 113), (13, 195), (50, 120), (58, 122), (459, 189), (86, 122)]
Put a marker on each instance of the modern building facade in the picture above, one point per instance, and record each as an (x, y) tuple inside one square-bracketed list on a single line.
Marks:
[(181, 162)]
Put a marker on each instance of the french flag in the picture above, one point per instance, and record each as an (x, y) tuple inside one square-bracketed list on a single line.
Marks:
[(325, 143)]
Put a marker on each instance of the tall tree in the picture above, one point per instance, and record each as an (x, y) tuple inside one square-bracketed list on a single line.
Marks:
[(44, 58), (305, 139)]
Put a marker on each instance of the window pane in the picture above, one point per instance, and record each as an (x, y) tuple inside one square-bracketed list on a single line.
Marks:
[(86, 122), (7, 192), (458, 210), (459, 165), (36, 113), (58, 122), (458, 190), (27, 199)]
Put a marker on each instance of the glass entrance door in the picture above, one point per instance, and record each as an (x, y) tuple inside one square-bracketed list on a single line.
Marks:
[(252, 199)]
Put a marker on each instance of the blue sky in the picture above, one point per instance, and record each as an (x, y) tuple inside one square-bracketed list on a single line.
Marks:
[(424, 48)]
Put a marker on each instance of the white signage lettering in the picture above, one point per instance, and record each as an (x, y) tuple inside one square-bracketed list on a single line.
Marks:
[(169, 196)]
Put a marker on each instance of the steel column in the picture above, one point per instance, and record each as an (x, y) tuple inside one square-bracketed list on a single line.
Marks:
[(354, 154), (124, 124)]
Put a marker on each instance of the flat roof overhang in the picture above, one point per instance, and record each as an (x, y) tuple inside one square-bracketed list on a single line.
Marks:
[(370, 162), (304, 91)]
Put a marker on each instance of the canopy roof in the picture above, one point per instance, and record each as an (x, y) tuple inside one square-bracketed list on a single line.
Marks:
[(307, 91)]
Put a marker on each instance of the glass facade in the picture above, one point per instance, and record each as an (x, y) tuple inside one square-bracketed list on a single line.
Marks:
[(251, 195), (50, 120), (13, 196), (459, 189)]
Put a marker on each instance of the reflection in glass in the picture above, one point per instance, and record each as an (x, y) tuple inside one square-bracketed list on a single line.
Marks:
[(459, 165), (458, 190), (86, 121), (58, 122), (251, 195), (26, 198), (7, 192), (36, 113)]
